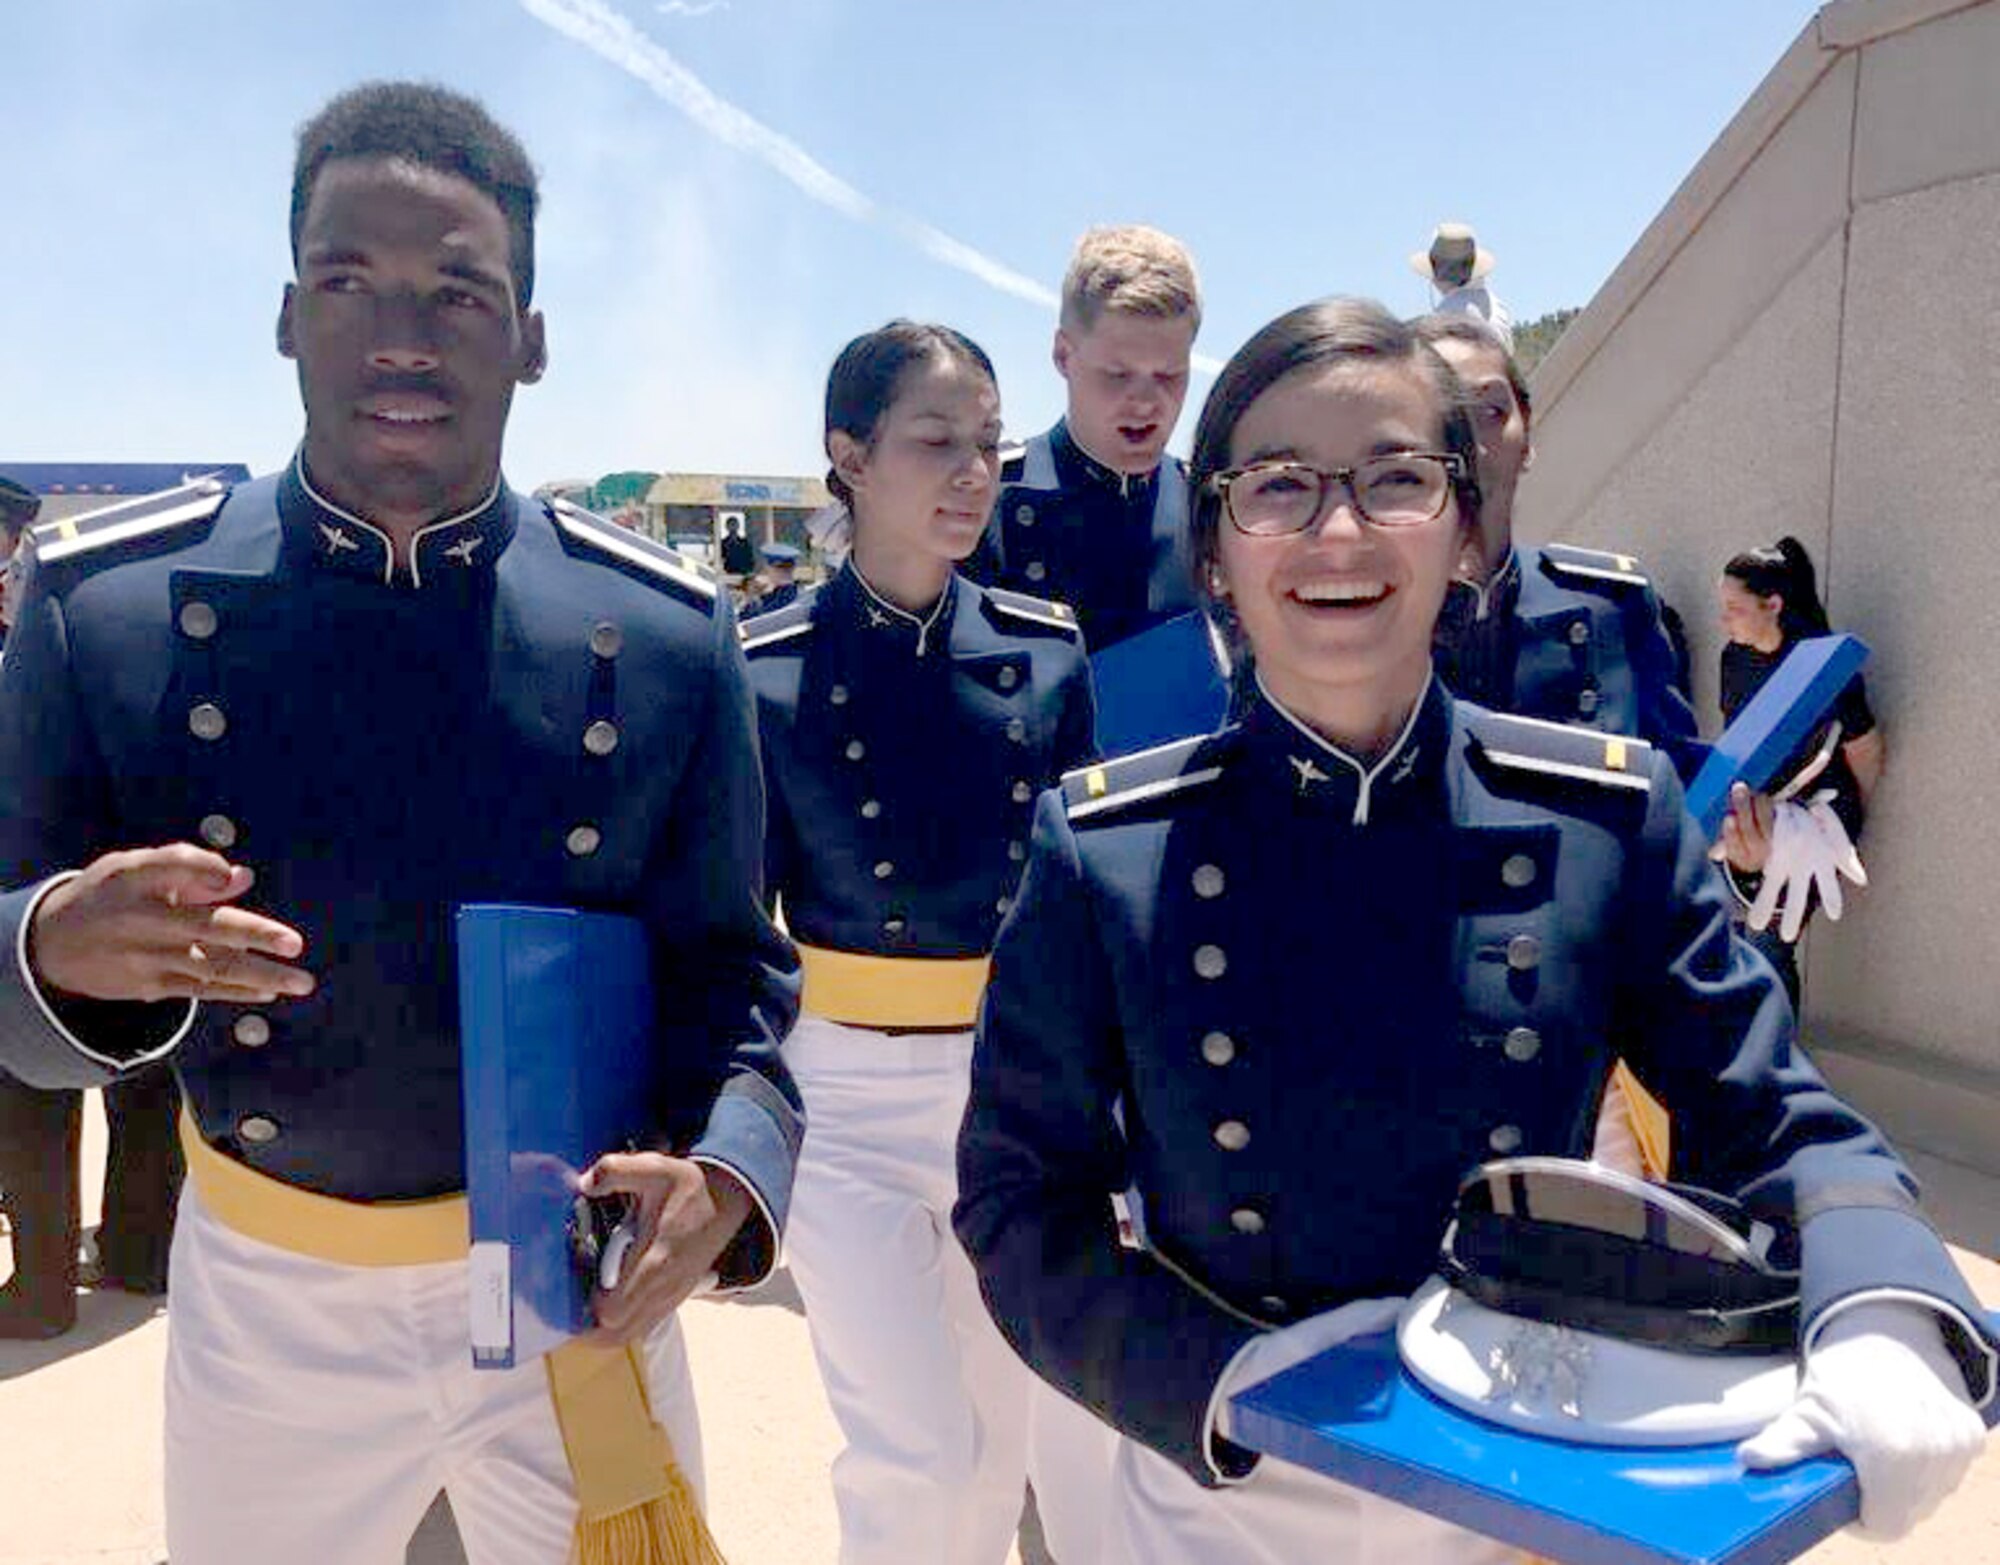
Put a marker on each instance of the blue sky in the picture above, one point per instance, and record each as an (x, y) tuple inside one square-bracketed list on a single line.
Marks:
[(732, 190)]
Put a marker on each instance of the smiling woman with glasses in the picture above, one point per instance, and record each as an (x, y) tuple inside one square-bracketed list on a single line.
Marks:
[(1284, 986)]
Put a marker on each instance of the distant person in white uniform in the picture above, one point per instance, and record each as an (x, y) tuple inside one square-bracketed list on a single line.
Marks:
[(1457, 265)]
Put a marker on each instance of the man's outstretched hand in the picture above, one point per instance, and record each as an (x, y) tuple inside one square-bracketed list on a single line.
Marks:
[(162, 924)]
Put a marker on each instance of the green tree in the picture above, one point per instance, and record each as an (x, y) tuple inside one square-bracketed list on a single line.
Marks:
[(1533, 339)]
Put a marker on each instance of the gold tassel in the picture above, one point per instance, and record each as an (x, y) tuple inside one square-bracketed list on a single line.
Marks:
[(666, 1531), (1652, 1127), (634, 1504)]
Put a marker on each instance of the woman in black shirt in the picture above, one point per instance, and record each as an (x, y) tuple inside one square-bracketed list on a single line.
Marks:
[(1769, 600)]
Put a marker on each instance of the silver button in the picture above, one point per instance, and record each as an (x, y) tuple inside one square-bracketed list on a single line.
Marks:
[(1025, 515), (1009, 678), (601, 737), (1504, 1139), (218, 831), (1271, 1304), (1017, 852), (884, 869), (606, 639), (894, 927), (1017, 730), (1523, 1044), (1209, 880), (838, 695), (1232, 1135), (1218, 1048), (1247, 1220), (870, 808), (1023, 792), (207, 722), (197, 621), (1524, 953), (856, 749), (257, 1129), (1517, 870), (1036, 570), (1579, 632), (1210, 961), (251, 1030), (1586, 702), (583, 841), (1003, 904)]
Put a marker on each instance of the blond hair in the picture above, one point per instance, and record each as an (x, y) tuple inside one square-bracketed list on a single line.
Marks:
[(1133, 269)]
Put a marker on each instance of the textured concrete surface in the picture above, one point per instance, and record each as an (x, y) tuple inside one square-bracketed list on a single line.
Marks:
[(80, 1429), (1810, 348)]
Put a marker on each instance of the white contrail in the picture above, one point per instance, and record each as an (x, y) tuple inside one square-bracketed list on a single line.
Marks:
[(603, 30), (682, 8)]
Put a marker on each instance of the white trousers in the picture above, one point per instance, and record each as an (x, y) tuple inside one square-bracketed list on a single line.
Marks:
[(314, 1411), (1283, 1515), (1070, 1455), (931, 1400)]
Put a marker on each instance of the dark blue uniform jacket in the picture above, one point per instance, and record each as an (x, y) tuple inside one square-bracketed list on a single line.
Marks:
[(1111, 547), (1574, 636), (1292, 1003), (903, 759), (544, 710)]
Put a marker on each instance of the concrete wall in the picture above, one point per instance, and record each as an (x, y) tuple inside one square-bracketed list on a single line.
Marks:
[(1808, 341)]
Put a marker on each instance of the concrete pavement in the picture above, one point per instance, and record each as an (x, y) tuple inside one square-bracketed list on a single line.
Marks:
[(80, 1420)]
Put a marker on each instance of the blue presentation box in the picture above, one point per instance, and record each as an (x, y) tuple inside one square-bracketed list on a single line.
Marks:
[(1160, 685), (1355, 1414), (1778, 719), (557, 1036)]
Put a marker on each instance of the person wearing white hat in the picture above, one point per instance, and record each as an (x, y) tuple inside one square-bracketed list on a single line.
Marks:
[(1456, 265)]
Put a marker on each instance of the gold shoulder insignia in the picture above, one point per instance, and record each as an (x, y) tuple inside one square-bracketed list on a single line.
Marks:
[(1566, 559), (764, 630), (149, 516), (626, 547), (1534, 746), (1141, 777), (1042, 611)]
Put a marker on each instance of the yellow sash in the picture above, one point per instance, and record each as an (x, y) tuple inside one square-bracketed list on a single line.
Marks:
[(892, 991)]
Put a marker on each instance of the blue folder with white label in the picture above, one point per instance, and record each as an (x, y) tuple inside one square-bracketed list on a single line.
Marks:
[(556, 1024), (1356, 1414), (1776, 722), (1163, 684)]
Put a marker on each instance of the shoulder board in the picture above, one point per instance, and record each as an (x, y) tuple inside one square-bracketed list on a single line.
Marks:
[(608, 540), (1042, 611), (1013, 460), (793, 620), (148, 517), (1139, 778), (1566, 559), (1532, 747)]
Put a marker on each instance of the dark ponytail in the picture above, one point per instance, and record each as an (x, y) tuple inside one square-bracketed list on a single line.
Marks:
[(1786, 570)]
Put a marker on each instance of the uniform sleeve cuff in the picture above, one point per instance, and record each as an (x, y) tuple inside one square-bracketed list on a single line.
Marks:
[(59, 1014), (754, 1134), (1963, 1339)]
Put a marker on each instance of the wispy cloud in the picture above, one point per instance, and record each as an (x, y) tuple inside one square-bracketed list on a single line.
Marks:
[(603, 30), (682, 8)]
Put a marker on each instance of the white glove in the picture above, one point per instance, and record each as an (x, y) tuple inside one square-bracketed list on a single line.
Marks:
[(1277, 1351), (1809, 849), (1881, 1389)]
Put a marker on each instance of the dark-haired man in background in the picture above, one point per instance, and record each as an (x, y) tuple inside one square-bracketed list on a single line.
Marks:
[(372, 688)]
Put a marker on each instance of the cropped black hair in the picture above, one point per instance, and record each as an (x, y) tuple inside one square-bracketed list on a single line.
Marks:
[(1327, 331), (1437, 328), (434, 128), (1787, 570), (866, 377), (19, 506)]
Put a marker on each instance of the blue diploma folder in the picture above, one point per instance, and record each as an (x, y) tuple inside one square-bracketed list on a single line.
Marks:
[(1159, 685), (1777, 720), (1355, 1414), (556, 1023)]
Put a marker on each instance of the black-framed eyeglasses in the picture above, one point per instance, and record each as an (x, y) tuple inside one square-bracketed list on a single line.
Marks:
[(1402, 489)]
